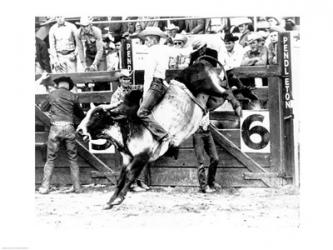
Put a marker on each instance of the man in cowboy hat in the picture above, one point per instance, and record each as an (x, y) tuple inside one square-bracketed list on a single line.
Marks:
[(63, 106), (199, 46), (63, 49), (254, 56), (91, 36), (244, 28), (172, 31), (154, 87), (232, 58)]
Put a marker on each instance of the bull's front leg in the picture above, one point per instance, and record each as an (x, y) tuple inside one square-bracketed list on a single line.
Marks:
[(128, 175)]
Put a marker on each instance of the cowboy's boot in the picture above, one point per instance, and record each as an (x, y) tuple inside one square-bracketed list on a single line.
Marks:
[(202, 178), (45, 187), (75, 174)]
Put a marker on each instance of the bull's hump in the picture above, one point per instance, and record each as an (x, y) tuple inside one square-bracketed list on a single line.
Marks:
[(176, 111)]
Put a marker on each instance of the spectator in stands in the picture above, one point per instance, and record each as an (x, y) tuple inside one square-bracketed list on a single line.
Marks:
[(243, 26), (232, 58), (42, 59), (63, 50), (63, 106), (179, 41), (172, 30), (290, 24), (108, 48), (112, 59), (90, 37), (233, 54), (203, 142), (195, 26), (273, 22), (272, 46), (255, 56), (154, 88), (182, 59)]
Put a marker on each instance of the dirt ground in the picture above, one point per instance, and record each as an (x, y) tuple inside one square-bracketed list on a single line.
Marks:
[(159, 207)]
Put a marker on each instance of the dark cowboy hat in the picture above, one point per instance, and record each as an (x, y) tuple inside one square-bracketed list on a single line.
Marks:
[(230, 38), (65, 79)]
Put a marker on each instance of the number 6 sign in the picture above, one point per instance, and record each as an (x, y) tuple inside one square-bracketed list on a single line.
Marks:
[(255, 131)]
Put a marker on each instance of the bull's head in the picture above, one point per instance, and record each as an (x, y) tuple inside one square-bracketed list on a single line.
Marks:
[(95, 124)]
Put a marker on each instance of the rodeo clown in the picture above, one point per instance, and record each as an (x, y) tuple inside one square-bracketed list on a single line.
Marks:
[(63, 105)]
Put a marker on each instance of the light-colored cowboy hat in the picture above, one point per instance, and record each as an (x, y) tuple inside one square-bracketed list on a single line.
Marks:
[(123, 72), (252, 37), (262, 34), (272, 17), (180, 37), (84, 21), (198, 43), (152, 31), (172, 27)]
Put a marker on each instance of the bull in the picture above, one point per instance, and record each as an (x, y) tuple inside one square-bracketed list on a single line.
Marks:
[(196, 90)]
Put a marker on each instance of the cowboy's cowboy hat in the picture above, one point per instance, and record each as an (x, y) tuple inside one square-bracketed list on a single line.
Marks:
[(230, 38), (263, 34), (152, 31), (272, 17), (84, 21), (65, 79), (198, 44), (123, 72), (180, 37), (172, 27), (252, 37)]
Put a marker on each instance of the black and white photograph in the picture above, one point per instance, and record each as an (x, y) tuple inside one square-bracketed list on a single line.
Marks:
[(153, 129), (168, 116)]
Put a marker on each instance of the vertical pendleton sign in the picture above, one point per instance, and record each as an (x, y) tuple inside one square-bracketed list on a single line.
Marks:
[(127, 55), (288, 123)]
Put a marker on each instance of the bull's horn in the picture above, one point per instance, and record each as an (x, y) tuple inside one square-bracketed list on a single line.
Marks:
[(92, 105)]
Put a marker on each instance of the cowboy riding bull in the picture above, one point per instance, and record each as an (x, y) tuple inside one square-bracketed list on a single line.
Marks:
[(195, 91)]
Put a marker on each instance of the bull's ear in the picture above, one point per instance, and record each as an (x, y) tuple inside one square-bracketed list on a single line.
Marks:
[(92, 105)]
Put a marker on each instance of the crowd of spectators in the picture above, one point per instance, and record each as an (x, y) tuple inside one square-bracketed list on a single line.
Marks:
[(94, 44)]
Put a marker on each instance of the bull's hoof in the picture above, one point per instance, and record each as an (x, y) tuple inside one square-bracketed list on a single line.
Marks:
[(107, 207)]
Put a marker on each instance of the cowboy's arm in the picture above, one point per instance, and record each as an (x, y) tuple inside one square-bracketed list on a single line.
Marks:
[(77, 109), (150, 65), (52, 42), (80, 48), (200, 26), (46, 105), (233, 101), (76, 38), (99, 46)]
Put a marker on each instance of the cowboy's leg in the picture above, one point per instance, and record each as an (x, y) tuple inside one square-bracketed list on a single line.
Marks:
[(210, 149), (153, 96), (199, 153), (71, 151), (53, 144)]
